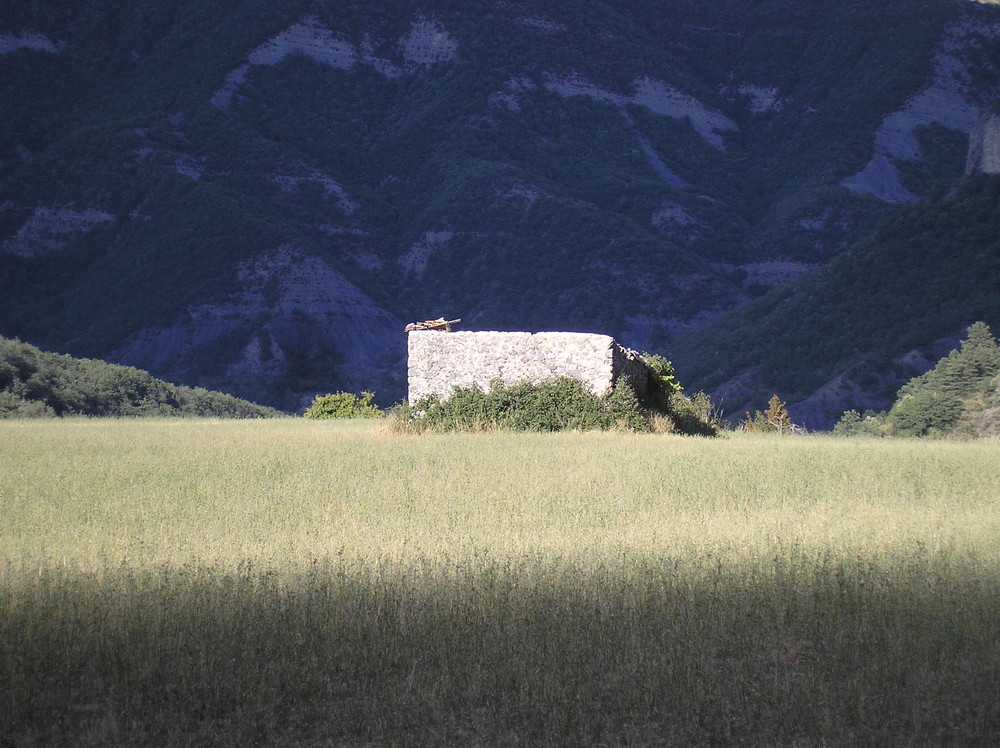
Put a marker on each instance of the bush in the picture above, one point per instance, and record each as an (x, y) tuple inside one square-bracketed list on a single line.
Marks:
[(853, 423), (556, 405), (12, 406), (343, 405), (625, 410), (662, 383), (693, 415), (665, 398), (775, 419)]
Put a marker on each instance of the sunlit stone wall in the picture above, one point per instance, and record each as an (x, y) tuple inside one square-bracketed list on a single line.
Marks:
[(441, 361)]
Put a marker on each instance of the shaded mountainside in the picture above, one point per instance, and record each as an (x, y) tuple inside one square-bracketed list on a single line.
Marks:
[(876, 316), (258, 198)]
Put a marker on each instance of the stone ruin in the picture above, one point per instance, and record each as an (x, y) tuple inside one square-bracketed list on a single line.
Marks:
[(440, 361)]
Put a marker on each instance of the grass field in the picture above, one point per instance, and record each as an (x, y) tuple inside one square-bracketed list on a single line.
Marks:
[(325, 583)]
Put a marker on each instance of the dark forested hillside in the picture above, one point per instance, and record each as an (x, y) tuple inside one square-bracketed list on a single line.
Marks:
[(926, 273), (34, 383), (258, 196)]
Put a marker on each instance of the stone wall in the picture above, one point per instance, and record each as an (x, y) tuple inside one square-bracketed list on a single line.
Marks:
[(628, 365), (441, 361)]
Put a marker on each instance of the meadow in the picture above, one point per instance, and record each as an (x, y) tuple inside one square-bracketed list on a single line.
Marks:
[(195, 582)]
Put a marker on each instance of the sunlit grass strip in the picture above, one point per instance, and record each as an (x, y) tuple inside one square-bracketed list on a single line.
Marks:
[(283, 581)]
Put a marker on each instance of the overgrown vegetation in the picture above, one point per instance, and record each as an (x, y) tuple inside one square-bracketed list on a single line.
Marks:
[(775, 418), (38, 384), (555, 405), (853, 423), (959, 396), (486, 589), (662, 383), (558, 405), (344, 405)]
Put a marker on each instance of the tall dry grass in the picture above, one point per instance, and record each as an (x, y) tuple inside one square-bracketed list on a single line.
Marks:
[(315, 582)]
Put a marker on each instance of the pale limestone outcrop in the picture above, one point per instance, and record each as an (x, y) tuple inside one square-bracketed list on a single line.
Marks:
[(51, 229), (951, 99), (761, 98), (302, 172), (984, 146), (290, 310), (416, 260), (29, 40), (439, 362), (425, 44), (656, 96)]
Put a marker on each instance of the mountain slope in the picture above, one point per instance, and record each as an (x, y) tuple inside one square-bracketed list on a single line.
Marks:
[(34, 383), (923, 276), (259, 197)]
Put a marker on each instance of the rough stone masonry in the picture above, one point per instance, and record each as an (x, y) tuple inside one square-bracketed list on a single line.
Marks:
[(439, 362)]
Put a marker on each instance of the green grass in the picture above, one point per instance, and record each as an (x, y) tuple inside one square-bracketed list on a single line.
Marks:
[(202, 582)]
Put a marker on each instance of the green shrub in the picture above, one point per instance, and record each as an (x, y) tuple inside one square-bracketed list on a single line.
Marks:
[(775, 418), (556, 405), (662, 383), (12, 406), (344, 405), (934, 403), (693, 415), (853, 423), (665, 396), (625, 409)]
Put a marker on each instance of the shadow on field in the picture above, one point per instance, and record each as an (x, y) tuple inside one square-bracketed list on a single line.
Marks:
[(490, 652)]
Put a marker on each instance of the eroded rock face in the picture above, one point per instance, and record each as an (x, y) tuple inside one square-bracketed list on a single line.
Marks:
[(984, 146), (295, 318), (440, 362), (425, 44), (951, 99), (656, 96), (51, 229), (29, 40)]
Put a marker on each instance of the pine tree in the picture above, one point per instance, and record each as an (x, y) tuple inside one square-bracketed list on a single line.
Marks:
[(935, 401), (979, 355), (777, 416)]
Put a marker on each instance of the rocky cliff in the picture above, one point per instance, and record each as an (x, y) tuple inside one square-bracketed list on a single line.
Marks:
[(984, 145)]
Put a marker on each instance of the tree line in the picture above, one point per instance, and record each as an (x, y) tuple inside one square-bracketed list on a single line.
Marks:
[(34, 383), (959, 396)]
